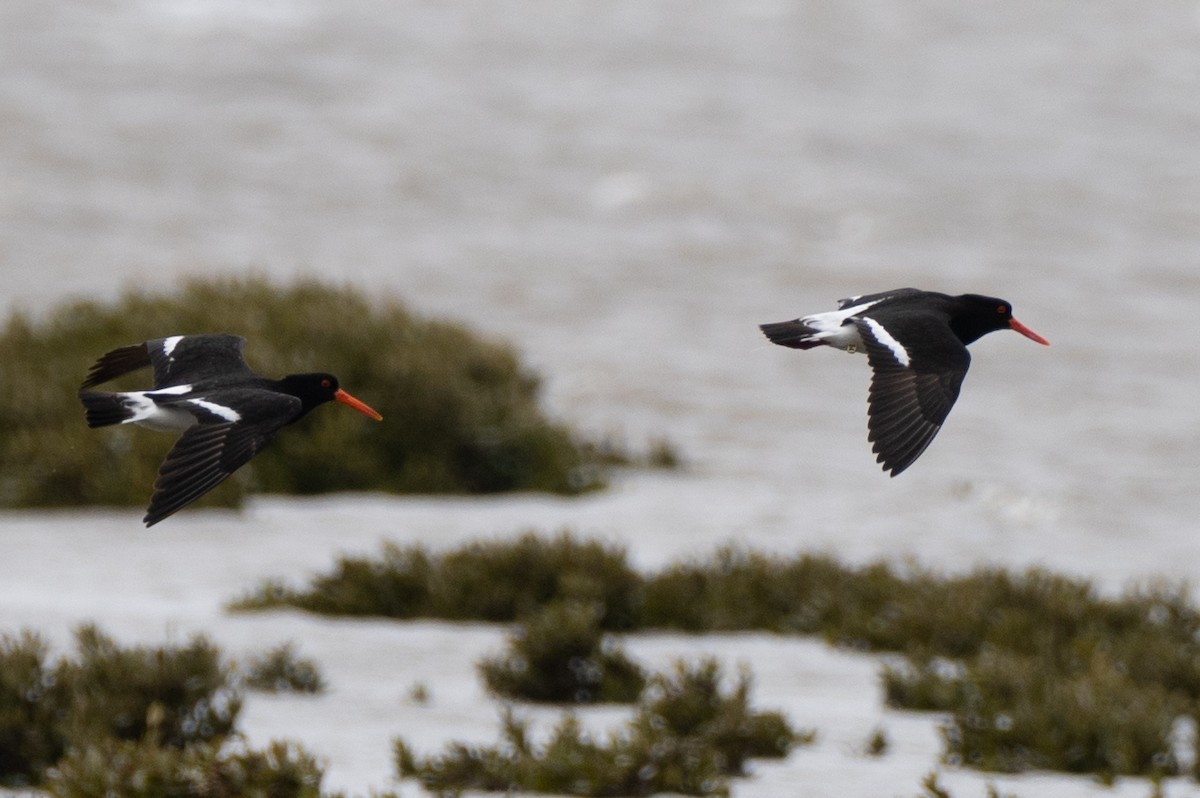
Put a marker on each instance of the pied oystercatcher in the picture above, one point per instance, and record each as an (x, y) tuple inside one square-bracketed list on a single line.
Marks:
[(916, 346), (204, 388)]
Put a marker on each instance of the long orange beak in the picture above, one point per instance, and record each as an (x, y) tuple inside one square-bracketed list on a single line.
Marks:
[(359, 405), (1028, 333)]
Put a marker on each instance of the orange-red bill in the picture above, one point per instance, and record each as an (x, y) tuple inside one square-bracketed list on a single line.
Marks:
[(1028, 333), (359, 405)]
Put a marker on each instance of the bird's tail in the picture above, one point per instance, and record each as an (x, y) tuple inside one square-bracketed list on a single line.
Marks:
[(105, 409), (794, 333)]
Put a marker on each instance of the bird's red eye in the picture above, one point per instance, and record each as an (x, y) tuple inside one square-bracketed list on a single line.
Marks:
[(1002, 309), (325, 383)]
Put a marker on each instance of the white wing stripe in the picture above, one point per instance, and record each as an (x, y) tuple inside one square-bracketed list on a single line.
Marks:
[(880, 333), (174, 390), (227, 413), (831, 321)]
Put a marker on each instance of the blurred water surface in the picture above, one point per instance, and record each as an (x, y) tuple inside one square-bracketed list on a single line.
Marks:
[(625, 189)]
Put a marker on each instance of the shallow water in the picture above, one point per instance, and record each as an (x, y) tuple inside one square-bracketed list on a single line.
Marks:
[(625, 190)]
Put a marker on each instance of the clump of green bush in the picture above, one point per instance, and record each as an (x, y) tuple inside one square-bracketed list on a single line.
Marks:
[(688, 737), (494, 581), (134, 721), (1090, 685), (32, 708), (1012, 712), (282, 670), (169, 697), (561, 655), (138, 769), (1034, 670), (460, 412)]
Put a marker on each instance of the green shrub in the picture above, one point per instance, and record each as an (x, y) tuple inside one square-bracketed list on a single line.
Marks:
[(561, 655), (460, 413), (878, 607), (32, 703), (280, 670), (1020, 712), (924, 684), (166, 697), (143, 770), (737, 590), (496, 581), (1068, 682), (688, 737), (689, 705), (395, 586), (503, 580)]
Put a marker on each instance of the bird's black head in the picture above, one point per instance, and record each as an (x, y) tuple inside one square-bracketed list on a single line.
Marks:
[(318, 388), (976, 315)]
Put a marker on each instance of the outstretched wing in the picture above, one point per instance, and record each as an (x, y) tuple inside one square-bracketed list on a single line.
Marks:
[(216, 446), (177, 360), (911, 394), (864, 299), (115, 363), (184, 359)]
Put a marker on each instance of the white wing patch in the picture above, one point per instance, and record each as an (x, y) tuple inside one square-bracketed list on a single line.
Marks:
[(172, 391), (169, 344), (831, 321), (884, 337), (227, 413), (145, 412), (831, 327)]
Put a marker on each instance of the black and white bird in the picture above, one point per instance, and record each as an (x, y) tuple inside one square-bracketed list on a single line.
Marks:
[(916, 344), (203, 388)]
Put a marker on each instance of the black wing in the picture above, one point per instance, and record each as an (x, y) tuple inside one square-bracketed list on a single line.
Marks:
[(907, 404), (115, 363), (177, 360), (215, 447), (850, 301), (794, 333), (194, 358)]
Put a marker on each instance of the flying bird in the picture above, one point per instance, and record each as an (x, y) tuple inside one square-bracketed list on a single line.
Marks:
[(916, 344), (204, 389)]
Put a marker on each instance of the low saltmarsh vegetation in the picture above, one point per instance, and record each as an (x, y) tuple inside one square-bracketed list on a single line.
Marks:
[(138, 769), (494, 581), (1033, 669), (133, 721), (460, 412), (559, 654), (688, 736), (282, 670), (167, 697)]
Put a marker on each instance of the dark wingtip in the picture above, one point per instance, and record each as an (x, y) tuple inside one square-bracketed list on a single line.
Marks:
[(897, 454), (103, 409), (155, 514), (115, 363), (789, 333)]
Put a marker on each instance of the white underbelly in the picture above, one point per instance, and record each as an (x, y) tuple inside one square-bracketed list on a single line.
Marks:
[(845, 337), (148, 414), (834, 328), (166, 420)]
